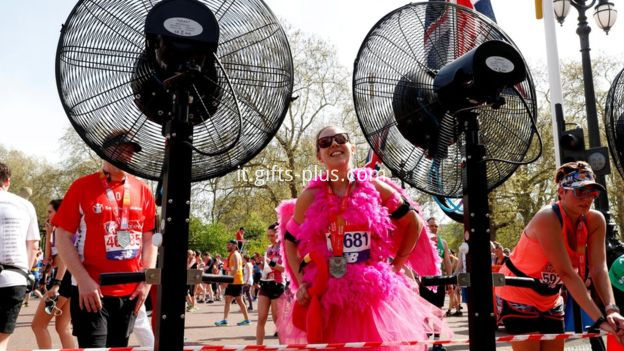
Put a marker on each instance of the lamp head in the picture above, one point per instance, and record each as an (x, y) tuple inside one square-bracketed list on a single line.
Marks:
[(605, 15), (561, 9)]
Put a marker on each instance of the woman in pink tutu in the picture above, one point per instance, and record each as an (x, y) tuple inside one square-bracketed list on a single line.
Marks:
[(339, 239)]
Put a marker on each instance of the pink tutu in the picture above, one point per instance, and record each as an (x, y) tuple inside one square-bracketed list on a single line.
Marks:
[(400, 315), (370, 302)]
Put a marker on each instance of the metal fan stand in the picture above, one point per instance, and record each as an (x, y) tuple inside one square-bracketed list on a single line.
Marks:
[(175, 226), (481, 318)]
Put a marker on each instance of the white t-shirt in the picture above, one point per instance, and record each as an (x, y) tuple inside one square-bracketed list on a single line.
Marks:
[(18, 223), (248, 273)]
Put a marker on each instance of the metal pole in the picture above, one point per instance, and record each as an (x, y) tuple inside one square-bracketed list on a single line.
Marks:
[(481, 321), (593, 130), (176, 209), (554, 76)]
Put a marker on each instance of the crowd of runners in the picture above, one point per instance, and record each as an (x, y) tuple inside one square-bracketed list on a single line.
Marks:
[(343, 264)]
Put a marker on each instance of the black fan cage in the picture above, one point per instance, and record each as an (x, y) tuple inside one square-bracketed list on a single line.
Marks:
[(409, 46), (614, 121), (101, 45)]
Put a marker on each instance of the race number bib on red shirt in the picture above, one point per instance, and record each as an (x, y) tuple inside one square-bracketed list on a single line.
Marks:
[(114, 251), (356, 244)]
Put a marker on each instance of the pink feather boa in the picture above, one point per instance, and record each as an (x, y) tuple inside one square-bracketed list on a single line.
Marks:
[(372, 280)]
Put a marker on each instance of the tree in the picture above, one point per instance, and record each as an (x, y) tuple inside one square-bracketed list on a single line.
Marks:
[(77, 158), (321, 94), (211, 237), (34, 173), (453, 233)]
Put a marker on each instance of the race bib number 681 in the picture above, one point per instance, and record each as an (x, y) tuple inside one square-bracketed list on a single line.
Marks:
[(356, 245)]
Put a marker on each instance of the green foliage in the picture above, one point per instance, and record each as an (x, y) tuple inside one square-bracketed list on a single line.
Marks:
[(34, 173), (48, 181), (453, 233), (211, 237)]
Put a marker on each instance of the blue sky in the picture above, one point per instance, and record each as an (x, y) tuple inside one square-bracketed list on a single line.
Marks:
[(33, 119)]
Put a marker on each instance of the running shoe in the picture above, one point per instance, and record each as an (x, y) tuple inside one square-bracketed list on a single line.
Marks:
[(245, 322), (210, 301), (221, 323)]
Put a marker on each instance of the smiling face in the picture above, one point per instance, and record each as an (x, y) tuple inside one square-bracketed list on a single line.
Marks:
[(335, 156)]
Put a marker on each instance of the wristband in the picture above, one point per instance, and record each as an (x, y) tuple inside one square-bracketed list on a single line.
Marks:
[(612, 308), (55, 282), (596, 325), (288, 236), (306, 259)]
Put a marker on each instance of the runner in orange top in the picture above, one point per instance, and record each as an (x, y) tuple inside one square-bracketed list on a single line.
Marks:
[(234, 290), (553, 249)]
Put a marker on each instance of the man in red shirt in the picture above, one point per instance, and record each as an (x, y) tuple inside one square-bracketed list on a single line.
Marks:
[(112, 215), (240, 238)]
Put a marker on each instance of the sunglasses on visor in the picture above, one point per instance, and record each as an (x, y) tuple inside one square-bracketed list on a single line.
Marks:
[(326, 142)]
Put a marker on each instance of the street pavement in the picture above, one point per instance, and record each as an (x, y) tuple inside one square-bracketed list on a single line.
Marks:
[(200, 330)]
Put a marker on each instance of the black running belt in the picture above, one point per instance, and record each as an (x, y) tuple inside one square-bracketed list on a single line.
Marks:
[(538, 286), (9, 267)]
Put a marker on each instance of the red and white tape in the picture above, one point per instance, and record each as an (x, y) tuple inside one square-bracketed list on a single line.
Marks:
[(357, 345)]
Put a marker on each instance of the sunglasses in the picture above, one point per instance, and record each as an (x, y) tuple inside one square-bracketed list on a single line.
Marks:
[(50, 306), (325, 142), (585, 192)]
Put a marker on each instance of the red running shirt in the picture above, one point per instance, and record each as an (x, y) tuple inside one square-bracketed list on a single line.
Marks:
[(86, 211)]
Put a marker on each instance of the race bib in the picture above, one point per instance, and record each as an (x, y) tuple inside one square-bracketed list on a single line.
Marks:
[(356, 245), (115, 251), (550, 278)]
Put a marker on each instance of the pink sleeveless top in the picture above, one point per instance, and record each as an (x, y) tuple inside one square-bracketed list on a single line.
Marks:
[(528, 256)]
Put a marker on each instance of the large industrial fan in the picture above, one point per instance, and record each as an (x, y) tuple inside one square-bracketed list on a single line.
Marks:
[(614, 121), (445, 100), (109, 78), (198, 86), (394, 88)]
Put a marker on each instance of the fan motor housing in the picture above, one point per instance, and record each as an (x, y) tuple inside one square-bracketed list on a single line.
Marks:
[(479, 75), (181, 41), (180, 30)]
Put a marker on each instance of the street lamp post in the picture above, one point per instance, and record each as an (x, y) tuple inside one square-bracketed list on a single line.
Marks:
[(605, 16), (597, 156)]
